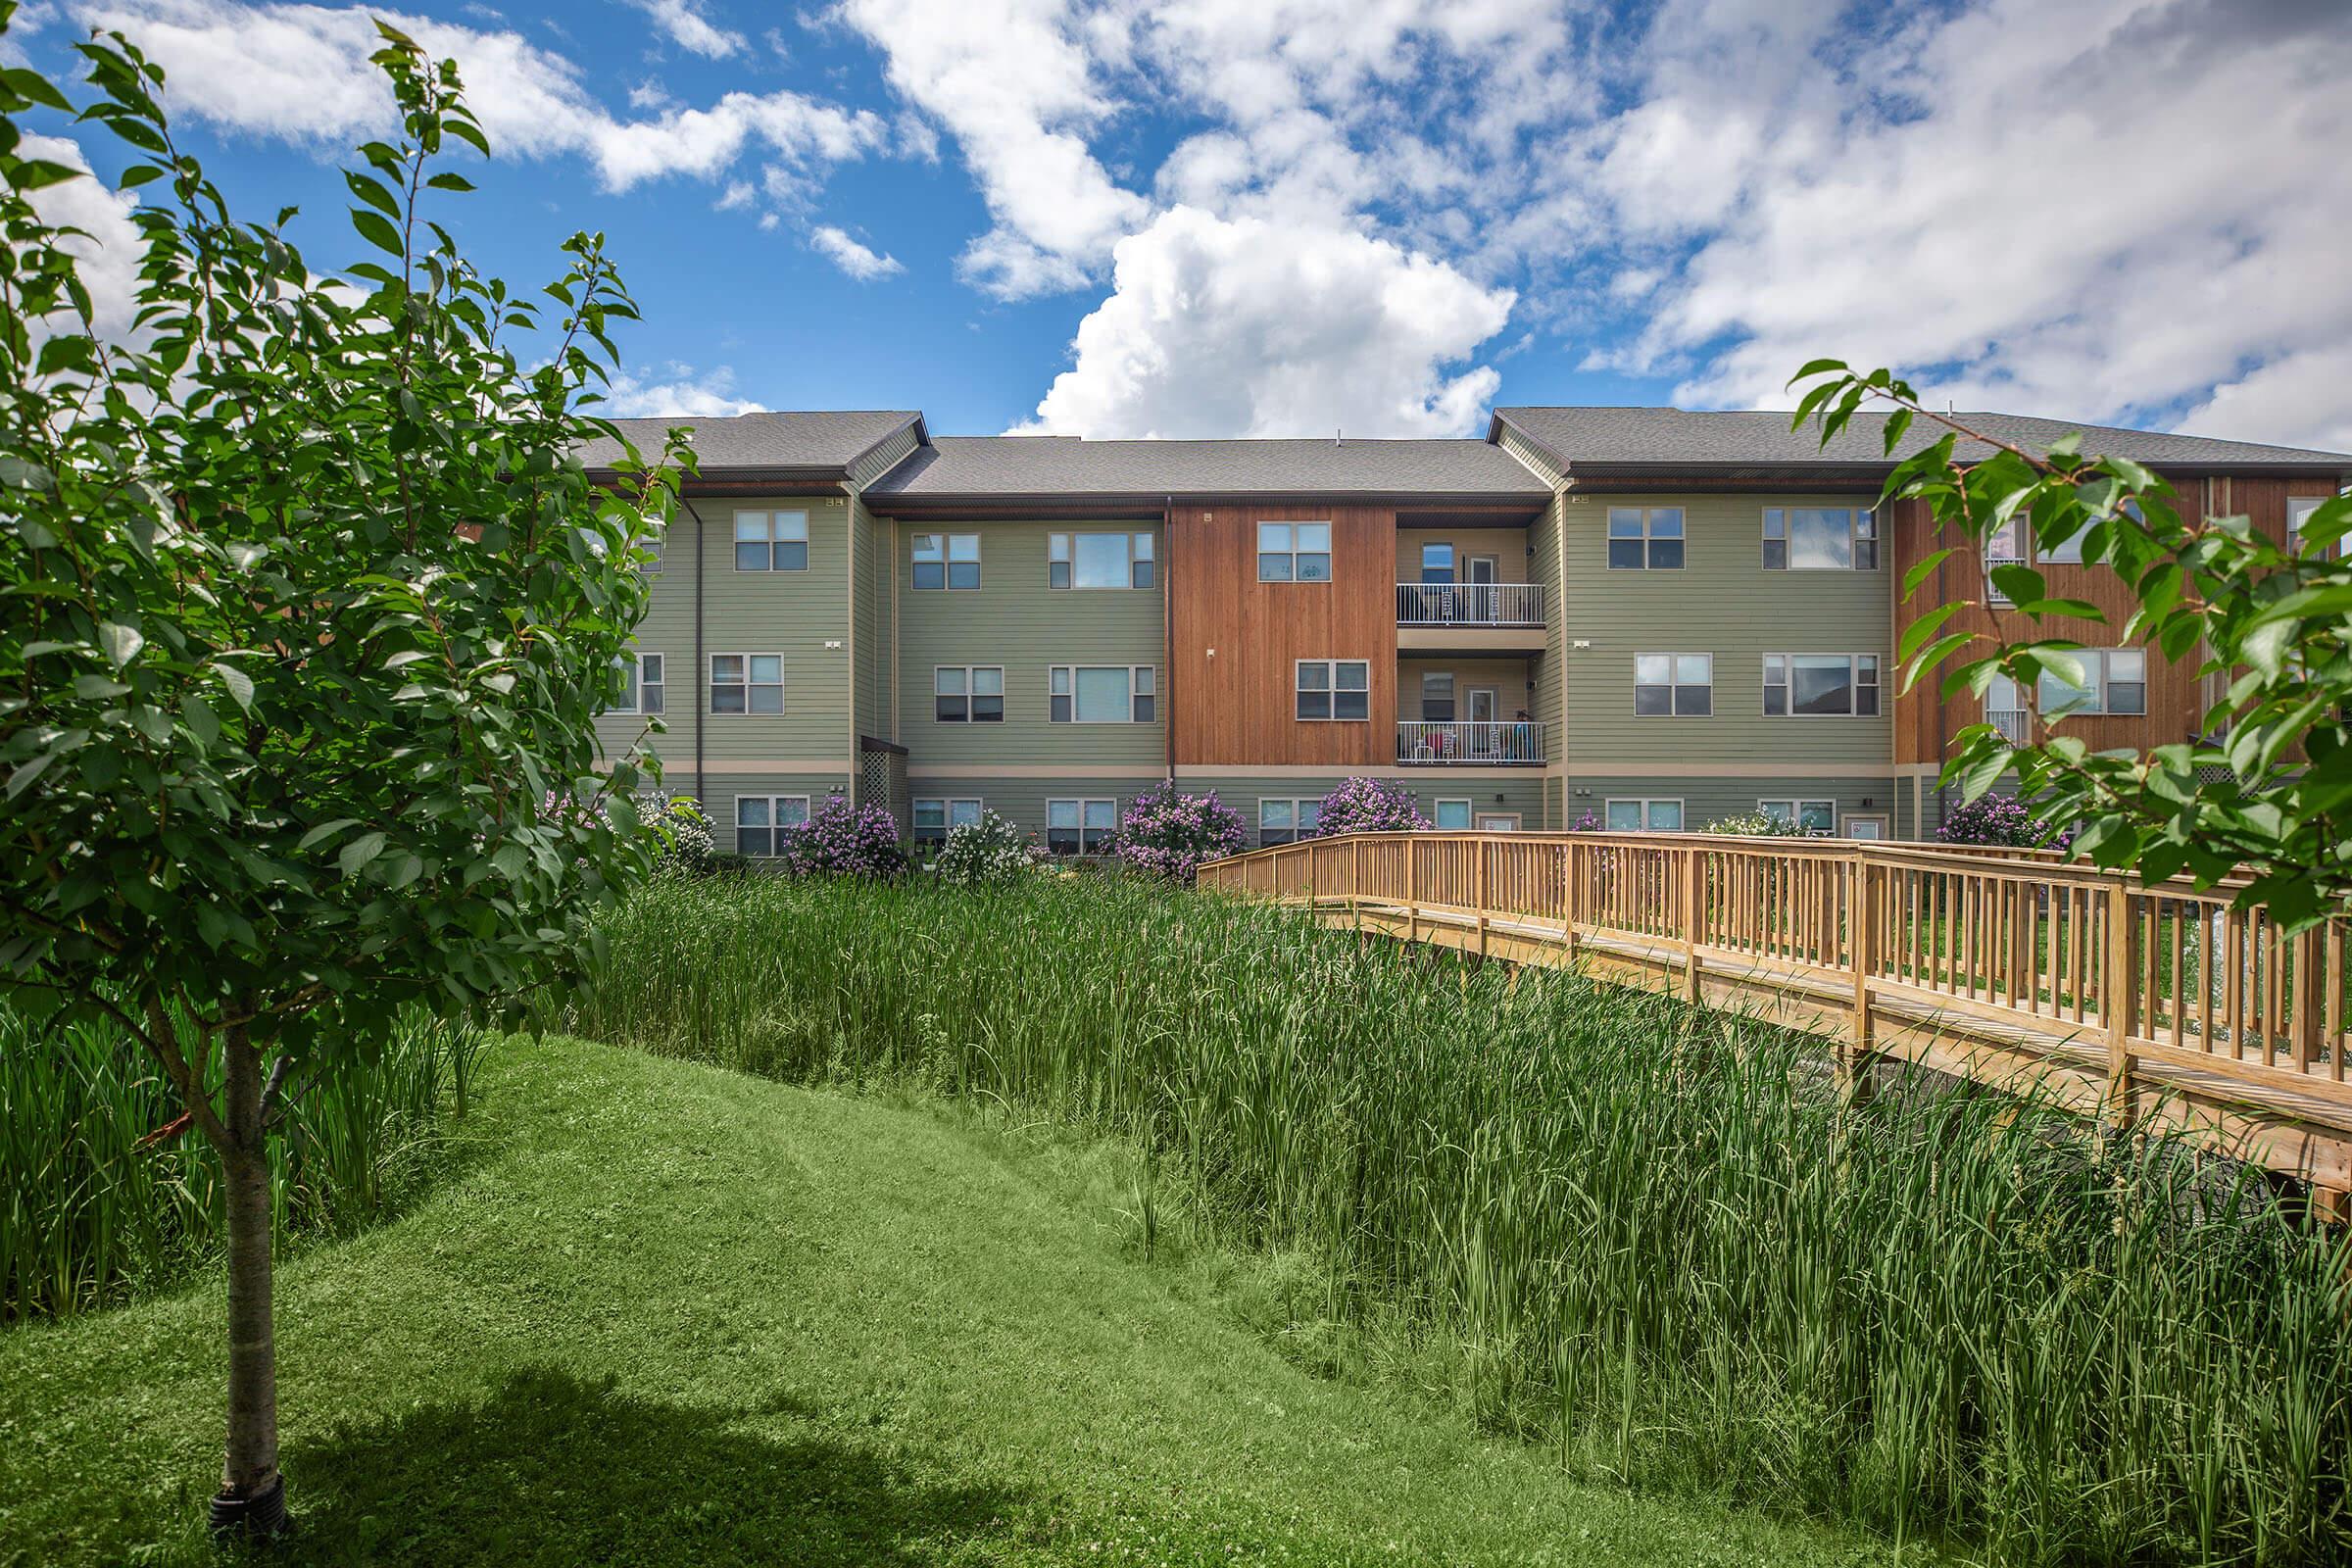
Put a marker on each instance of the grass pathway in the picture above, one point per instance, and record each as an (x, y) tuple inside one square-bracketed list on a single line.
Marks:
[(669, 1315)]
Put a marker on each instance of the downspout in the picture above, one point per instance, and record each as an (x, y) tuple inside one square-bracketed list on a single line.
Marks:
[(702, 667), (849, 641), (1167, 645)]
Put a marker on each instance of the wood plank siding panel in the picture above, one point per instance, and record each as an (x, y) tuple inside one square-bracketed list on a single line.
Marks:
[(1236, 704), (2176, 701)]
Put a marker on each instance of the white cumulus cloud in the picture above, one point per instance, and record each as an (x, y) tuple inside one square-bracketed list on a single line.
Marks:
[(684, 24), (1238, 326), (858, 261), (673, 388)]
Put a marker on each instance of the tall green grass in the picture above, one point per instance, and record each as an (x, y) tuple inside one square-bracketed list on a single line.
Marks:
[(1646, 1234), (88, 1217)]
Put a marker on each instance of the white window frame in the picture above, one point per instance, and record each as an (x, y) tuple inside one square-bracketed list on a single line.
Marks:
[(1861, 539), (1331, 691), (1300, 831), (1644, 802), (1143, 694), (1674, 684), (776, 533), (950, 548), (633, 665), (1644, 520), (1082, 803), (652, 545), (776, 824), (2298, 511), (1062, 559), (947, 812), (2098, 663), (1437, 812), (747, 685), (1856, 666), (1794, 815), (970, 695), (1291, 549)]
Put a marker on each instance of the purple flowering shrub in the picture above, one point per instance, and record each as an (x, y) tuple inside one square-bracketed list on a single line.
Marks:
[(1589, 823), (1370, 806), (844, 840), (2002, 819), (1166, 834)]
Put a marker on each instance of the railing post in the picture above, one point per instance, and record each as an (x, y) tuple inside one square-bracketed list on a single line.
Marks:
[(1694, 902), (2307, 1004), (1412, 901), (2117, 990), (1479, 885), (1862, 916), (1568, 896)]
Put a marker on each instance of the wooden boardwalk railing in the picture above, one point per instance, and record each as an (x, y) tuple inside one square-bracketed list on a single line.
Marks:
[(2124, 999)]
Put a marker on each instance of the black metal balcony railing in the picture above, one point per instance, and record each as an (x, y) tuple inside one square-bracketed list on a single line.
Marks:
[(1470, 744), (1469, 603)]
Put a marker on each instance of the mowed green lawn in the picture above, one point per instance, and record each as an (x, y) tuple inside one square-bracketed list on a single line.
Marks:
[(663, 1313)]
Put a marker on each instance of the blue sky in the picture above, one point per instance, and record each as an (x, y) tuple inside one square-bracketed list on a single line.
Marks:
[(1285, 217)]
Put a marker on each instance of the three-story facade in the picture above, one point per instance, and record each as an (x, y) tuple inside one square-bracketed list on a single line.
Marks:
[(1643, 619)]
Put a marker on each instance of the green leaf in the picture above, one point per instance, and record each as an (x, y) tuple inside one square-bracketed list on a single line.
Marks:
[(358, 852), (377, 230), (324, 831), (121, 643), (238, 684)]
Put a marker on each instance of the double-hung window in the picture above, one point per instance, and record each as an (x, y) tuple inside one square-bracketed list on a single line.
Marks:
[(1674, 685), (762, 821), (1437, 563), (1334, 689), (935, 820), (1102, 693), (1643, 814), (1821, 539), (1081, 826), (651, 548), (1821, 685), (1452, 816), (771, 541), (1293, 552), (967, 694), (1099, 560), (1437, 697), (1287, 821), (1646, 539), (947, 561), (747, 683), (642, 687), (2115, 681), (1806, 816)]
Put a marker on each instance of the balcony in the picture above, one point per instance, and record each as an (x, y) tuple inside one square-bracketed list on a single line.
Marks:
[(1470, 617), (1425, 743), (2009, 721)]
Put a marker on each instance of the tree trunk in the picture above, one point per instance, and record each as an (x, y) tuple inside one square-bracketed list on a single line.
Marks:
[(252, 1496)]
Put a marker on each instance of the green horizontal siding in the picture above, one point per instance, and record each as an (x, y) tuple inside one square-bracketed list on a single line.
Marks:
[(1722, 603), (1014, 621), (795, 613), (1021, 801)]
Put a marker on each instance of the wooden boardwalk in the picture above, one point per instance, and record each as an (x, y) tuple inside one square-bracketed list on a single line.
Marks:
[(2138, 1004)]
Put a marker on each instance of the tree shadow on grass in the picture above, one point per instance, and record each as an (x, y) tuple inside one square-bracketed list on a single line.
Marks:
[(553, 1471)]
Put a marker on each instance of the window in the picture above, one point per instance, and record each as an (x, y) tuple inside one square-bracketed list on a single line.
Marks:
[(1821, 685), (1080, 827), (1334, 688), (1436, 563), (641, 684), (1674, 685), (967, 694), (1099, 560), (2299, 517), (2116, 682), (771, 541), (1820, 539), (762, 821), (1437, 697), (934, 819), (1646, 538), (1287, 821), (947, 561), (1806, 816), (1644, 815), (650, 545), (2066, 553), (1452, 816), (747, 683), (1101, 694), (1293, 552)]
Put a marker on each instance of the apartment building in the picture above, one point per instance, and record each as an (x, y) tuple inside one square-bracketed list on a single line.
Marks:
[(1643, 616)]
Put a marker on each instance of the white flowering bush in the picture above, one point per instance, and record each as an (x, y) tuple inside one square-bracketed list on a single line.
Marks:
[(989, 853), (686, 847)]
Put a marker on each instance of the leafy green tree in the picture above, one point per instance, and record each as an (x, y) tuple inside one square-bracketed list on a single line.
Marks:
[(2266, 787), (306, 607)]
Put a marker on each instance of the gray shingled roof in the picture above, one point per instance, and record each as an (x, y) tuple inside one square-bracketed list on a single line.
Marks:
[(1646, 437), (822, 439), (1054, 466)]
